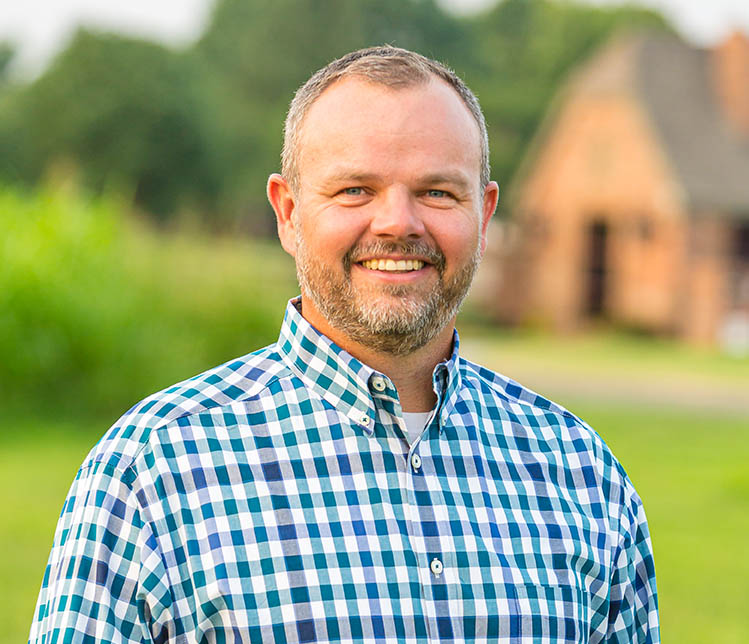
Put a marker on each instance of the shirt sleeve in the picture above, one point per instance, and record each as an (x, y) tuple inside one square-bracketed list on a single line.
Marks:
[(105, 580), (633, 598)]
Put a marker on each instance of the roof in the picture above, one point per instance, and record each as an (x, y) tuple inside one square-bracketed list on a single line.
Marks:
[(675, 84)]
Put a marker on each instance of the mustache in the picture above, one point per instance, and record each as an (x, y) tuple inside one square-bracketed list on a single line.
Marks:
[(413, 249)]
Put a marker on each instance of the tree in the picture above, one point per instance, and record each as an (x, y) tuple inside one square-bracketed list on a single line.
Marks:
[(524, 50), (256, 53), (125, 113), (6, 56), (202, 128)]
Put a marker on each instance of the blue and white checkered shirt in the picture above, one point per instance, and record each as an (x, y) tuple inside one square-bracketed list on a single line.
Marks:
[(276, 499)]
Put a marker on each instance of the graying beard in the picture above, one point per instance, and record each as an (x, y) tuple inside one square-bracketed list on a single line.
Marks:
[(393, 331)]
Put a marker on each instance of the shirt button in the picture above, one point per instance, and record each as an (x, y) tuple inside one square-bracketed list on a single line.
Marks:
[(416, 461), (436, 567), (364, 420), (378, 382)]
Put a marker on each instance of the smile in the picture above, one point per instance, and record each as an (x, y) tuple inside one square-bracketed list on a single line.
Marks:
[(393, 265)]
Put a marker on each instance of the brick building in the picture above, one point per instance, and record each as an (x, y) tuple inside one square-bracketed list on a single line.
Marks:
[(633, 203)]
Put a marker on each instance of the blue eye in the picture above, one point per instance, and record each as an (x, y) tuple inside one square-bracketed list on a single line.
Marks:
[(353, 192), (437, 193)]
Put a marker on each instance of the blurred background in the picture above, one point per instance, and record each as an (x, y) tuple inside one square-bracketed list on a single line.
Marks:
[(137, 249)]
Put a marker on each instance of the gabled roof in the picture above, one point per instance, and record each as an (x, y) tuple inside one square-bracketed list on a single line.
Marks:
[(675, 84)]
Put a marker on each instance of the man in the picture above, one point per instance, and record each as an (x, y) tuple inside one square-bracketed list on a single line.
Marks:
[(358, 480)]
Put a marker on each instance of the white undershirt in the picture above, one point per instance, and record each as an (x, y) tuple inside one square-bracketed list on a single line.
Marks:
[(415, 423)]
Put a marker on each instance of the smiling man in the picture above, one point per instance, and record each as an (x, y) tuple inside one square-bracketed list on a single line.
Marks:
[(385, 209), (358, 480)]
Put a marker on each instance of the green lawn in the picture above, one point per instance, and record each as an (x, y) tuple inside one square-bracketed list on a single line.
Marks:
[(692, 474), (37, 466), (691, 471)]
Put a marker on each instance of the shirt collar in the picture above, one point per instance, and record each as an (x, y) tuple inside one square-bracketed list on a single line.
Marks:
[(446, 379), (341, 379)]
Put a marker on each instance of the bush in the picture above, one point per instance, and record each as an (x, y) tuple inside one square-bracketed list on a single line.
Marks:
[(97, 312)]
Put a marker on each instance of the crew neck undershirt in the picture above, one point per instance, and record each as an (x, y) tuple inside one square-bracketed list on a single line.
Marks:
[(415, 423)]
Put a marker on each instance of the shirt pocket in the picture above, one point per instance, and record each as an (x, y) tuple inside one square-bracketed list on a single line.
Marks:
[(550, 614)]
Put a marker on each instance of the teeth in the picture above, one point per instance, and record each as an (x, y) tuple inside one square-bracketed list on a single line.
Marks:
[(393, 265)]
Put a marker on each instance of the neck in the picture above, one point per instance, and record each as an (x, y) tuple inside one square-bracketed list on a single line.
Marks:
[(411, 374)]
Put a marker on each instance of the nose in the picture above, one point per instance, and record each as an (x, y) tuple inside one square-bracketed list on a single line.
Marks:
[(396, 215)]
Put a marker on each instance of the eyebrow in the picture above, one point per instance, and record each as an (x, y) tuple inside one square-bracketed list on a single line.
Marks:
[(356, 177), (451, 178), (454, 179)]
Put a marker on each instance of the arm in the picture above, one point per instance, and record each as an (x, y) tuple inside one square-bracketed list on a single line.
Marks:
[(633, 599), (105, 579)]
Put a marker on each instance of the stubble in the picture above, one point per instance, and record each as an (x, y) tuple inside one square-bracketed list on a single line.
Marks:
[(394, 319)]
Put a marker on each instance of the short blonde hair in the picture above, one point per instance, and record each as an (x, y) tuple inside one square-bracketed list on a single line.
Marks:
[(386, 65)]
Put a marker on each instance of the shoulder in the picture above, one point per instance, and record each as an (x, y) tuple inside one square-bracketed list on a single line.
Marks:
[(535, 421), (235, 381), (493, 388), (549, 442)]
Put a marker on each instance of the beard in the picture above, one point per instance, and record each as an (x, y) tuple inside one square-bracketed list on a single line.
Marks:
[(396, 319)]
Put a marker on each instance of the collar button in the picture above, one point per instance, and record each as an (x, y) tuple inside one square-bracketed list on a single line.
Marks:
[(378, 383)]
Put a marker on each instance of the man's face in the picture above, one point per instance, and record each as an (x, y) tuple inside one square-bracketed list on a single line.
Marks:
[(388, 221)]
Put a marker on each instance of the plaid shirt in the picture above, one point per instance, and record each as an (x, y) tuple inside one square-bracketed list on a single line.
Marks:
[(276, 499)]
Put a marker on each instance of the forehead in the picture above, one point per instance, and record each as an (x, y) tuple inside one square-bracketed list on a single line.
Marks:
[(365, 123)]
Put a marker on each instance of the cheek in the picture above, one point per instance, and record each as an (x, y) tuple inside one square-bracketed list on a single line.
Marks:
[(337, 228), (330, 237), (458, 242)]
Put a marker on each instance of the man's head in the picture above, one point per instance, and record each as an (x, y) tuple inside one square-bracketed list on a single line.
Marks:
[(388, 66), (385, 198)]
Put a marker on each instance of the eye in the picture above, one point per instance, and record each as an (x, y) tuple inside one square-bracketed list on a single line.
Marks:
[(437, 194), (353, 192)]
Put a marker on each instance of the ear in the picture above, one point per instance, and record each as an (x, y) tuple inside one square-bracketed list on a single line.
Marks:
[(282, 200), (489, 205)]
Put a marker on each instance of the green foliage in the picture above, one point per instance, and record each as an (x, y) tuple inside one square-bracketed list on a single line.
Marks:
[(55, 253), (38, 461), (6, 56), (200, 130), (256, 53), (125, 111), (95, 314)]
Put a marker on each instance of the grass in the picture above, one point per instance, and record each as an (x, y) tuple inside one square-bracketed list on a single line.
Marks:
[(691, 472), (38, 461), (607, 352)]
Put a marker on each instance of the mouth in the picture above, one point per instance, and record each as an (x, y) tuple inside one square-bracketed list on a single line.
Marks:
[(395, 261), (393, 265)]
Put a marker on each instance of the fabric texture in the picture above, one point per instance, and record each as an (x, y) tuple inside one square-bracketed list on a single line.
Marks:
[(275, 499)]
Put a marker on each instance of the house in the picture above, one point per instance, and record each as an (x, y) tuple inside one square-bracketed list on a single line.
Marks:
[(633, 202)]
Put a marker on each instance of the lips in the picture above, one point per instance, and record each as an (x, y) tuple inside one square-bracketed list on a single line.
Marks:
[(393, 265), (395, 257)]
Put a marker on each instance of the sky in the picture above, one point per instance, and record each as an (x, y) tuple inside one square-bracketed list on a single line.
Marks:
[(40, 28)]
